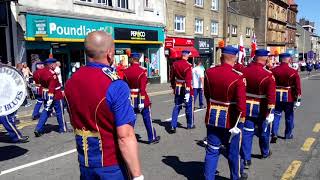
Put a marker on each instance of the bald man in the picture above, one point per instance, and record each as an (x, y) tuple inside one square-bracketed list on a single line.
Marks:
[(102, 116)]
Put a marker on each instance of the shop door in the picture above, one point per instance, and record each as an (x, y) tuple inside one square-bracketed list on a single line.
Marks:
[(64, 60)]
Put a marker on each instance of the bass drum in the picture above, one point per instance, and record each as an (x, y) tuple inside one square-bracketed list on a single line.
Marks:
[(13, 90)]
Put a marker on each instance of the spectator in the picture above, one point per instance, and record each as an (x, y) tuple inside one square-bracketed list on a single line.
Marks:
[(198, 82), (25, 71)]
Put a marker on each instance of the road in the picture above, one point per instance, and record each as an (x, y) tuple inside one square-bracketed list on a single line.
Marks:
[(178, 156)]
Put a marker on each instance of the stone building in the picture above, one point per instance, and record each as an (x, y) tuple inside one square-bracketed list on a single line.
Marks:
[(270, 22), (59, 27), (314, 38), (303, 41), (196, 25), (291, 28)]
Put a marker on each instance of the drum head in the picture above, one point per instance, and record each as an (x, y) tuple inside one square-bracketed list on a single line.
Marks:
[(12, 90)]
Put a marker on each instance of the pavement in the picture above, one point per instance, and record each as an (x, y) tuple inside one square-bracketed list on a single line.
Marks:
[(178, 156)]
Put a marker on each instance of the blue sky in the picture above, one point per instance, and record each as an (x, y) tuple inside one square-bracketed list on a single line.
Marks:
[(309, 9)]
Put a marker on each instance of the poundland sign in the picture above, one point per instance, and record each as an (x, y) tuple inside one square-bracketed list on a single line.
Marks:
[(50, 28)]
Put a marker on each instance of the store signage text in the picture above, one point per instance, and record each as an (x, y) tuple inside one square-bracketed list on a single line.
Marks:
[(81, 30), (135, 34)]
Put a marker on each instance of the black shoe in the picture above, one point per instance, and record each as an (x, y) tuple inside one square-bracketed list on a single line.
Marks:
[(155, 141), (274, 139), (193, 127), (173, 130), (268, 156), (247, 164), (24, 139), (38, 134), (244, 176), (35, 117), (217, 173), (289, 137)]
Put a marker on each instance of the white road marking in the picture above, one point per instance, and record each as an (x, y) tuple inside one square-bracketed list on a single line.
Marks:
[(37, 162), (171, 100), (310, 76), (169, 119)]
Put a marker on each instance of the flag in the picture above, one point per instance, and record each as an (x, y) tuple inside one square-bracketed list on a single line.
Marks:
[(241, 51), (253, 45)]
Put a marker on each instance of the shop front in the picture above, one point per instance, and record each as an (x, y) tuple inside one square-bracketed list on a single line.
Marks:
[(63, 37), (205, 48), (174, 47)]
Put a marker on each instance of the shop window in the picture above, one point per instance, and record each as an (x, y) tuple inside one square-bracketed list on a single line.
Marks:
[(199, 3), (179, 23), (198, 26), (214, 28), (153, 62), (215, 5), (124, 4)]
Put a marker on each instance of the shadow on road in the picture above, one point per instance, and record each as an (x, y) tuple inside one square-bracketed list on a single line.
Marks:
[(10, 152), (191, 170), (167, 124)]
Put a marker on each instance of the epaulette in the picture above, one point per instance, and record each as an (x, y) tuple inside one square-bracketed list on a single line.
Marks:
[(112, 75), (238, 72), (267, 70)]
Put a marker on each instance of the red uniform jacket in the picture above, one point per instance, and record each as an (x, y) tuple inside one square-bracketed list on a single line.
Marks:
[(239, 67), (261, 90), (136, 77), (287, 78), (50, 82), (36, 79), (181, 71), (225, 91), (98, 104)]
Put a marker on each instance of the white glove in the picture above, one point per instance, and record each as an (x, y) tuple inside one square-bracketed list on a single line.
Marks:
[(139, 178), (297, 104), (49, 102), (234, 131), (270, 118), (187, 97), (141, 106)]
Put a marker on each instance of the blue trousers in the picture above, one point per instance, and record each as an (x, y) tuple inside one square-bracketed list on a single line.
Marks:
[(287, 107), (179, 101), (146, 116), (217, 137), (10, 127), (103, 173), (198, 92), (36, 110), (258, 127), (58, 107)]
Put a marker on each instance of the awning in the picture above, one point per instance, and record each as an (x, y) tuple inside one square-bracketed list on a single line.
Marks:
[(176, 52)]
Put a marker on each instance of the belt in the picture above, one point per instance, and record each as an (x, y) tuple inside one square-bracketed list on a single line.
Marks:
[(57, 88), (135, 90), (256, 96), (283, 87), (180, 81), (222, 103)]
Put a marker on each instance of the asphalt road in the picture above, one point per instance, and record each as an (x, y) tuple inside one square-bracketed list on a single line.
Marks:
[(176, 157)]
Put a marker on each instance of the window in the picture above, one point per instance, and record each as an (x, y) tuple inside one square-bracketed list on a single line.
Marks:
[(148, 3), (198, 28), (199, 3), (214, 28), (248, 32), (234, 30), (179, 23), (105, 2), (123, 4), (89, 1), (215, 5)]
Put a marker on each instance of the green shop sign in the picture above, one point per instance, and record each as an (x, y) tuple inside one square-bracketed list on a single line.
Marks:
[(58, 29)]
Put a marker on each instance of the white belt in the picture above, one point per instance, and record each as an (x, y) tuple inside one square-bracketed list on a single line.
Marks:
[(213, 147), (222, 103), (180, 81), (288, 87), (256, 96), (248, 129), (57, 88), (135, 90)]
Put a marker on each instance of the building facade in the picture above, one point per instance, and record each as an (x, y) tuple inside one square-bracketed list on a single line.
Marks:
[(309, 26), (270, 22), (292, 29), (240, 26), (59, 27), (196, 25), (303, 42)]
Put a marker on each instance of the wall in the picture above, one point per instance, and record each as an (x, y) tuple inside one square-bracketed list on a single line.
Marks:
[(304, 39)]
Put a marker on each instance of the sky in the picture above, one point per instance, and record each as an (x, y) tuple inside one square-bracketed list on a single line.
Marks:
[(309, 9)]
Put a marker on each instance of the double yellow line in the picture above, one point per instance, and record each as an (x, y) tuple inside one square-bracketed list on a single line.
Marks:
[(295, 165)]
